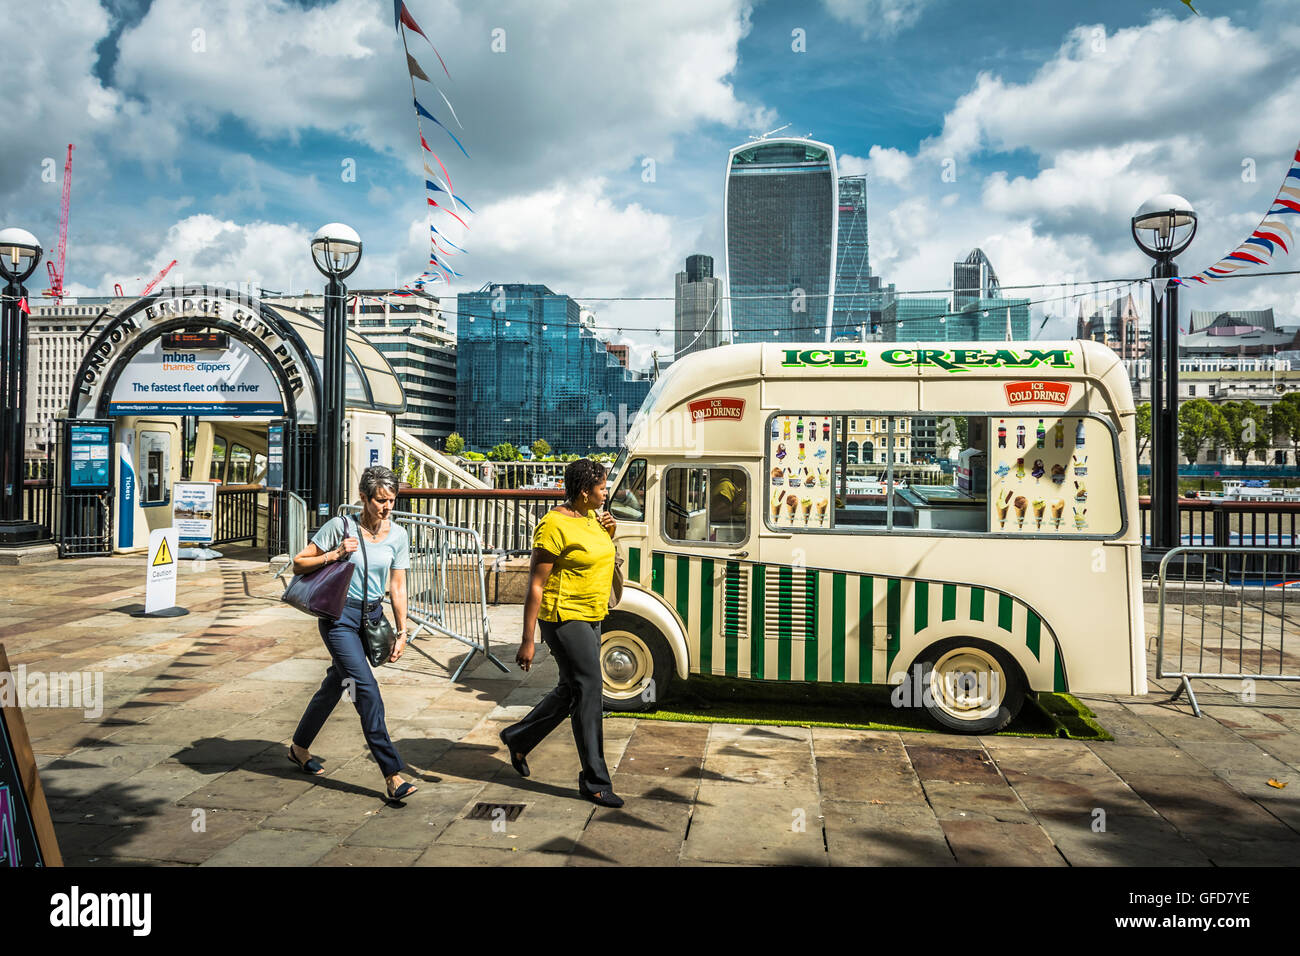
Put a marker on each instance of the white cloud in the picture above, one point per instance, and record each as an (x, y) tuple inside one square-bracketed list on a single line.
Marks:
[(877, 18)]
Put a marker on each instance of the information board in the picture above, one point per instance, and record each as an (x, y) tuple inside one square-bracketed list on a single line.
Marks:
[(26, 832), (88, 447), (275, 457), (194, 510)]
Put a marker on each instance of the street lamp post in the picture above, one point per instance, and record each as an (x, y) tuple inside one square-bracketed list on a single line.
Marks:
[(19, 255), (1163, 227), (336, 250)]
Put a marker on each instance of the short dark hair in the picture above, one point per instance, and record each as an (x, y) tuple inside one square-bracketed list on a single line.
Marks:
[(581, 476), (376, 477)]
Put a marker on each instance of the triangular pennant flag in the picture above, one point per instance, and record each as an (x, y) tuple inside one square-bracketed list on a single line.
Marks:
[(425, 113), (415, 69), (450, 107), (450, 213), (22, 305), (1158, 286), (409, 20)]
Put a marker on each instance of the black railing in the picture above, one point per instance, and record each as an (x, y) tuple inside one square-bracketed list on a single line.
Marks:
[(505, 518), (1227, 524), (38, 502), (237, 513)]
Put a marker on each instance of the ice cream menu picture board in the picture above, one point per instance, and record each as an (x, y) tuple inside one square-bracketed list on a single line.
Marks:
[(1052, 476), (800, 452), (26, 831)]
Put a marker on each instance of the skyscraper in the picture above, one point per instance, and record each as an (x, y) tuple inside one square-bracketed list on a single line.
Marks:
[(528, 367), (851, 315), (695, 318), (973, 279), (780, 232)]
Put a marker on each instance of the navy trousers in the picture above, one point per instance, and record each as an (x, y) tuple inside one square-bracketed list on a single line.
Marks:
[(575, 645), (349, 663)]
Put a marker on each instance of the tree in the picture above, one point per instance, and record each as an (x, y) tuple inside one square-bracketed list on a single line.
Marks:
[(1199, 421), (1245, 422), (503, 452), (414, 473), (1142, 422), (1263, 435), (1285, 419), (541, 448), (454, 445)]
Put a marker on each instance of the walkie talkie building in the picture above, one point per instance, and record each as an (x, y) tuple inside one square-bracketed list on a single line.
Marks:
[(780, 240)]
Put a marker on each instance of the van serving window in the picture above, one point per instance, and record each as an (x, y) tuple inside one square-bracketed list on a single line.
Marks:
[(979, 474), (706, 505)]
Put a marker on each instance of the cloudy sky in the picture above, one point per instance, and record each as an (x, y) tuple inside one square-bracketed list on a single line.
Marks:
[(222, 133)]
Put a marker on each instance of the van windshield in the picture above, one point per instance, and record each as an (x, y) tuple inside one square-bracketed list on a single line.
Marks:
[(643, 413)]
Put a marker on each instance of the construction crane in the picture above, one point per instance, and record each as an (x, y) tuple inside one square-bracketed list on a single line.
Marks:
[(55, 291), (158, 278)]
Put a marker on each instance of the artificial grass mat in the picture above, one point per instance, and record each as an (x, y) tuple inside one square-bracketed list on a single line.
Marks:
[(725, 700)]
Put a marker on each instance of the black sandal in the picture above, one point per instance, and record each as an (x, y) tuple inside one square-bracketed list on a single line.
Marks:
[(311, 765), (402, 792)]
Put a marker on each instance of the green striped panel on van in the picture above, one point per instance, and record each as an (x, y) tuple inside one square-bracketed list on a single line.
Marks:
[(810, 624)]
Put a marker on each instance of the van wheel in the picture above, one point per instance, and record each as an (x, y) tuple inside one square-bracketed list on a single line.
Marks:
[(971, 686), (636, 663)]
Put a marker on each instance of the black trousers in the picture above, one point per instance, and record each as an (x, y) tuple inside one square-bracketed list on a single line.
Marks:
[(575, 645), (349, 669)]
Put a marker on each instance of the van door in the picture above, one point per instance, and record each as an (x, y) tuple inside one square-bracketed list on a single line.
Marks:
[(700, 568)]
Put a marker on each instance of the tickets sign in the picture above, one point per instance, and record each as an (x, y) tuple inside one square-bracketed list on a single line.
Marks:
[(707, 409), (1037, 393)]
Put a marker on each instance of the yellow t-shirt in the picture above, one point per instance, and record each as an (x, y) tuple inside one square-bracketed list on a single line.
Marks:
[(578, 588)]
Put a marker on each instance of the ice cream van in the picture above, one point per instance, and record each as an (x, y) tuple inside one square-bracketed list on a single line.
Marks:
[(959, 520)]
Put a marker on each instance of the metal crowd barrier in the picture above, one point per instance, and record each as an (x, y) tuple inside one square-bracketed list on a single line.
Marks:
[(1233, 615), (446, 585), (295, 532)]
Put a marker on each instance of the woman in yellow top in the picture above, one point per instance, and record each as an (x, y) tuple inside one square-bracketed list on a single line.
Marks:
[(568, 597)]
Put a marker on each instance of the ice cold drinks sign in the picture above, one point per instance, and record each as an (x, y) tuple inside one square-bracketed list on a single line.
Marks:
[(1037, 393), (711, 408)]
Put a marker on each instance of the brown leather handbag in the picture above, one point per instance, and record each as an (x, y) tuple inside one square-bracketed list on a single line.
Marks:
[(322, 593), (616, 590)]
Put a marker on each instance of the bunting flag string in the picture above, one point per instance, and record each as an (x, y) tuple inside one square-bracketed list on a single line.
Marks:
[(403, 22), (1260, 245)]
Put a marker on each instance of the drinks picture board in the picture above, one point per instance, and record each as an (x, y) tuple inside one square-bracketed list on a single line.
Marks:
[(800, 450), (1053, 476), (26, 830)]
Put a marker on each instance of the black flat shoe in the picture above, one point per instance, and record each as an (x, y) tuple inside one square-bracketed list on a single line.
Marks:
[(402, 792), (519, 763), (311, 765), (605, 798)]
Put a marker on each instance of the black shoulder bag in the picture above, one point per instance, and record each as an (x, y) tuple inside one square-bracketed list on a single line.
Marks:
[(377, 637)]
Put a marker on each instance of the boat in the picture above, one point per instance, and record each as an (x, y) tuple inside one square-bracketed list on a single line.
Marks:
[(1251, 489)]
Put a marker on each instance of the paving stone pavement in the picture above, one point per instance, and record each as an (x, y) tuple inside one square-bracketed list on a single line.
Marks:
[(185, 764)]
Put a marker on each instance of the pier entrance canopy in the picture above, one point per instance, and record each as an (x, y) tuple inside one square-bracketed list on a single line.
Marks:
[(187, 382)]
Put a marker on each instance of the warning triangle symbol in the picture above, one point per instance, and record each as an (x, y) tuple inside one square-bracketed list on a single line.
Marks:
[(164, 555)]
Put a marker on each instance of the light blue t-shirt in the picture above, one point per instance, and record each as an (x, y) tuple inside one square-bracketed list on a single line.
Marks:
[(393, 552)]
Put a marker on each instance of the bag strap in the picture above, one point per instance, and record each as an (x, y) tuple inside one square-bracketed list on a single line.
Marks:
[(365, 562)]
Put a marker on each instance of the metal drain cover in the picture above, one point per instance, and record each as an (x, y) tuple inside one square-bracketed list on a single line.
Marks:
[(487, 811)]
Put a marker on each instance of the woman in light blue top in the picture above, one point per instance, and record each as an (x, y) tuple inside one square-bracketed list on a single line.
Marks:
[(387, 554)]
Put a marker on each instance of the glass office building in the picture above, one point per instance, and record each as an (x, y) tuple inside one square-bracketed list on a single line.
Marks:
[(982, 320), (851, 314), (527, 368), (696, 303), (781, 204)]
